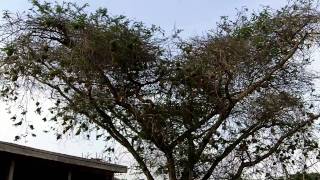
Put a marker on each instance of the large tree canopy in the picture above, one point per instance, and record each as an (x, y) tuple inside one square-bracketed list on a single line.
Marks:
[(231, 103)]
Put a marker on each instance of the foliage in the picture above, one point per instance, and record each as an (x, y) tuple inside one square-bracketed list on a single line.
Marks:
[(304, 176), (237, 99)]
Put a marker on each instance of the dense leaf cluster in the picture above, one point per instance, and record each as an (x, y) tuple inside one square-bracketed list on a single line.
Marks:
[(236, 100)]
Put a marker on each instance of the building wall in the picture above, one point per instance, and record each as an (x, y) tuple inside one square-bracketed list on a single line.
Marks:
[(27, 168), (4, 168)]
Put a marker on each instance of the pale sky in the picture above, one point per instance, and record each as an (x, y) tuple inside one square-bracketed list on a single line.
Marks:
[(195, 17)]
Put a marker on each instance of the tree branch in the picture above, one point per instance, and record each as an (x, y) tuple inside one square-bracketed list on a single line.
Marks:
[(257, 84)]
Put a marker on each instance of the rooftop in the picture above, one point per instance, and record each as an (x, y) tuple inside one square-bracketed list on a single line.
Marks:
[(58, 157)]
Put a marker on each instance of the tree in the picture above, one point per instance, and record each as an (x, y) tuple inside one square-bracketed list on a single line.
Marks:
[(309, 176), (238, 99)]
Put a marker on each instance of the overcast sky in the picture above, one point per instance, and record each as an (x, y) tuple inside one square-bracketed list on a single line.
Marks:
[(195, 17)]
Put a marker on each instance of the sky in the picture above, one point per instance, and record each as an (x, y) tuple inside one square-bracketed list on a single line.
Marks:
[(195, 17)]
